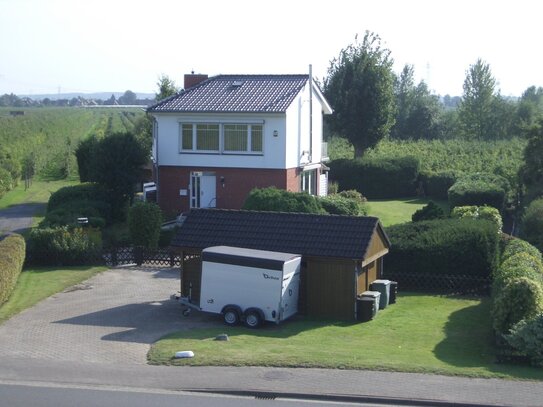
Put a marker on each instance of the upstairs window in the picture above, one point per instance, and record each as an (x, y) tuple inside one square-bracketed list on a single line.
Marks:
[(200, 137), (233, 138), (243, 138)]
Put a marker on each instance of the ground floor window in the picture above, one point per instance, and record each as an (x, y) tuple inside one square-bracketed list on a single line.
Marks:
[(308, 181)]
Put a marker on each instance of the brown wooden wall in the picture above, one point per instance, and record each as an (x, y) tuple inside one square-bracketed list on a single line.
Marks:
[(329, 288), (191, 272), (377, 245)]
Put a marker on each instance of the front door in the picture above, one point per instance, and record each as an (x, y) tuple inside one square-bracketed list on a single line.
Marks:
[(203, 187)]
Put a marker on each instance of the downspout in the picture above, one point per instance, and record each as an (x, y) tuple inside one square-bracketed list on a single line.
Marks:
[(356, 272), (310, 113), (157, 183)]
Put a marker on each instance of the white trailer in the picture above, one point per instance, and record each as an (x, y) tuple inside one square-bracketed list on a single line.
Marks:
[(249, 286)]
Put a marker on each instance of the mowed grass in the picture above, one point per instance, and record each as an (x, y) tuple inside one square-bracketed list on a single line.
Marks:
[(36, 284), (392, 212), (420, 333), (39, 192)]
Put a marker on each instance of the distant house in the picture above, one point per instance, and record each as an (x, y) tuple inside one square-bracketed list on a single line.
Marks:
[(341, 255), (225, 135)]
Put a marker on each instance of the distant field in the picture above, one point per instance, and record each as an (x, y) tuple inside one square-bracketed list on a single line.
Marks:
[(51, 135)]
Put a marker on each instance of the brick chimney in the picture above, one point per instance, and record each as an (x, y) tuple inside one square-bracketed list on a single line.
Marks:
[(193, 79)]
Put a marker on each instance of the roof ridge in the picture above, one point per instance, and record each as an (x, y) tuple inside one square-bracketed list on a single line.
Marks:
[(285, 213)]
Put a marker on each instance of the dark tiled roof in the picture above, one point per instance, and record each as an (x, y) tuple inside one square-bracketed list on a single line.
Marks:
[(236, 93), (309, 235)]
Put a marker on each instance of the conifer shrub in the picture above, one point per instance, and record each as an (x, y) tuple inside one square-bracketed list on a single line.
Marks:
[(144, 221)]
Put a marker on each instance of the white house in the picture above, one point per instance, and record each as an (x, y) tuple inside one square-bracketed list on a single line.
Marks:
[(223, 136)]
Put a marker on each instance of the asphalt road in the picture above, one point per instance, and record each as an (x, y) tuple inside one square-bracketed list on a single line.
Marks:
[(44, 396), (17, 218)]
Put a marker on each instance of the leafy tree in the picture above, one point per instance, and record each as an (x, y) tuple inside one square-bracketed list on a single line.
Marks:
[(128, 98), (85, 155), (118, 160), (418, 111), (360, 87), (529, 109), (532, 170), (166, 88), (475, 110)]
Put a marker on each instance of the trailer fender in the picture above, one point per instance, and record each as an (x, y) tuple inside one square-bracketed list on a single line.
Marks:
[(234, 306)]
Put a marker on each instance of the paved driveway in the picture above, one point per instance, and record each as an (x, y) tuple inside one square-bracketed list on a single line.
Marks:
[(17, 218), (111, 318)]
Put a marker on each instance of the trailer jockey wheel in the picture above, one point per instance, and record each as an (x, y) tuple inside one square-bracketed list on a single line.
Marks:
[(253, 319), (231, 316), (186, 312)]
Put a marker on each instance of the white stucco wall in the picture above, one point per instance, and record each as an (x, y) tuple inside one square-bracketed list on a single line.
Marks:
[(280, 152), (297, 123), (273, 155)]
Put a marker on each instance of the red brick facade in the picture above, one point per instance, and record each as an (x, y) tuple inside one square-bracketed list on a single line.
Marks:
[(238, 182)]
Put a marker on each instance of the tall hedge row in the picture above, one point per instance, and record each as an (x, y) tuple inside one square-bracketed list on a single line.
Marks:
[(377, 178), (445, 246), (479, 189), (518, 286), (12, 257)]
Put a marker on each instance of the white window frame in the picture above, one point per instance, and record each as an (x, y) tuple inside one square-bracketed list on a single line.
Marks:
[(221, 124), (249, 139)]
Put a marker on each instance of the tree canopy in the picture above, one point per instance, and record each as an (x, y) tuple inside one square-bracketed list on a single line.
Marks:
[(360, 88), (475, 110), (166, 87)]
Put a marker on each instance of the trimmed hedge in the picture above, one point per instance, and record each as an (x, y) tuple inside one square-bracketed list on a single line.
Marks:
[(437, 184), (527, 337), (377, 178), (428, 212), (279, 200), (479, 189), (532, 223), (64, 246), (479, 212), (447, 246), (515, 246), (520, 299), (144, 220), (12, 258), (338, 204)]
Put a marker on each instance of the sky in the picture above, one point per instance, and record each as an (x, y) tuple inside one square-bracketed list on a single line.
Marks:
[(59, 46)]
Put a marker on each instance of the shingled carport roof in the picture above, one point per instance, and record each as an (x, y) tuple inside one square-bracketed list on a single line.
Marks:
[(306, 234)]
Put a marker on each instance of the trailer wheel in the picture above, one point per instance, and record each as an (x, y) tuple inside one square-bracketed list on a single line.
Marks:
[(253, 319), (231, 316)]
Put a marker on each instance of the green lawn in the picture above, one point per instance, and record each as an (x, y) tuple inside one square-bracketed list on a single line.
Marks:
[(392, 212), (420, 333), (39, 192), (35, 284)]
